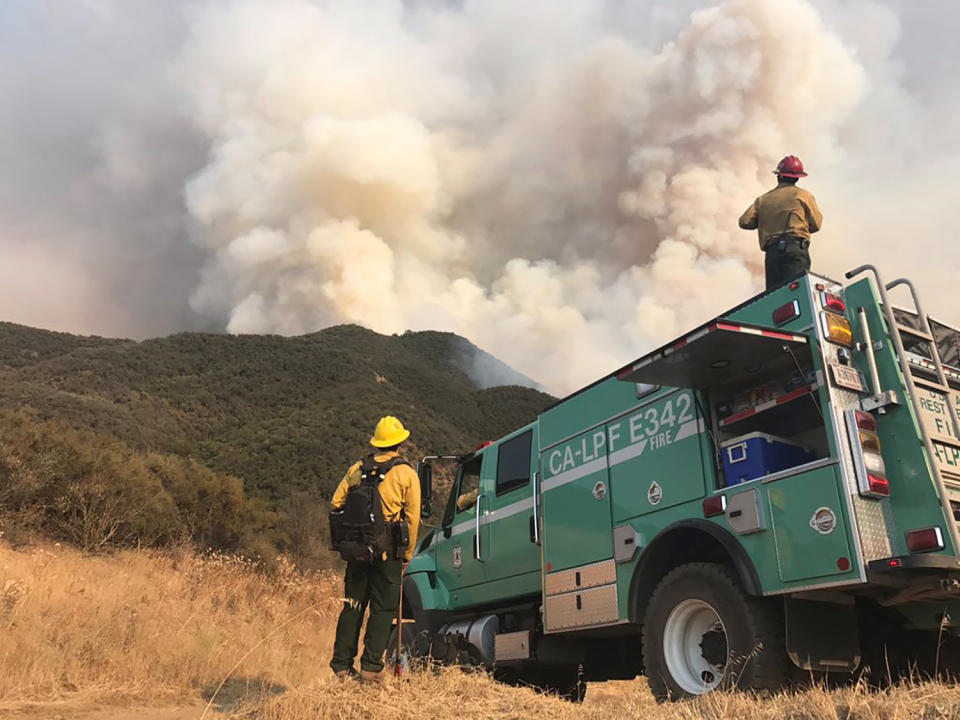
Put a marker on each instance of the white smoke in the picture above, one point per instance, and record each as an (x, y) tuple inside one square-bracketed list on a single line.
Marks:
[(564, 198), (558, 184)]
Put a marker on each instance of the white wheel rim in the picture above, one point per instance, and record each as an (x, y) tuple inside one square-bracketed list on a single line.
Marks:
[(683, 635)]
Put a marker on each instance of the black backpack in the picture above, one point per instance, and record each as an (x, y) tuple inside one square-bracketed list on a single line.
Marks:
[(358, 530)]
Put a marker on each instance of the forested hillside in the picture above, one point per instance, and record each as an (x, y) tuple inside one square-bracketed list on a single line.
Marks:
[(281, 417)]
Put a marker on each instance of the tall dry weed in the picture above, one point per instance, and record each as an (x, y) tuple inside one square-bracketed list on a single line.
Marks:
[(151, 624), (161, 628), (454, 694)]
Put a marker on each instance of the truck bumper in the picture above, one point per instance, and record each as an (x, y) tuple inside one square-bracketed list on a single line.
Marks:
[(916, 577)]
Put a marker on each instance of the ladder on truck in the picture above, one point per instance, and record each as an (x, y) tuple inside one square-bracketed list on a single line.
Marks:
[(917, 372)]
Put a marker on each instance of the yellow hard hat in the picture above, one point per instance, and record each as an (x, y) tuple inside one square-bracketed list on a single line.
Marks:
[(389, 432)]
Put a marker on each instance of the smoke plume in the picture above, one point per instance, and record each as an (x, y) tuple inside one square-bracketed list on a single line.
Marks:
[(560, 187)]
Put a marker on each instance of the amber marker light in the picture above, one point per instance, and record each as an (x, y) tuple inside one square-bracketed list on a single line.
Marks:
[(837, 328)]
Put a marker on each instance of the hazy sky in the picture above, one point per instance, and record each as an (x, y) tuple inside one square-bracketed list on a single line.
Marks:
[(562, 188)]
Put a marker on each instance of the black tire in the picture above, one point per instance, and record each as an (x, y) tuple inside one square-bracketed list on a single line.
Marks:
[(906, 655), (569, 686), (567, 683), (947, 662), (749, 641)]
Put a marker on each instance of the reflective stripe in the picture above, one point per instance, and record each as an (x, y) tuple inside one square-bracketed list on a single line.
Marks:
[(492, 516), (688, 429), (568, 476)]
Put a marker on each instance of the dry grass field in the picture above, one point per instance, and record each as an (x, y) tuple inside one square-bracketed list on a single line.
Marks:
[(150, 636)]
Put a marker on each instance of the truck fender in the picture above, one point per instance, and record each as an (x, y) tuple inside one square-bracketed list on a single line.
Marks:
[(689, 540)]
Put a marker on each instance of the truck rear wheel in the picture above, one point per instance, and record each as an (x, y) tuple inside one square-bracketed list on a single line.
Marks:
[(702, 632)]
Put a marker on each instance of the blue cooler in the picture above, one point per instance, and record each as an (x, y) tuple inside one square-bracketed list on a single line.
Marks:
[(757, 454)]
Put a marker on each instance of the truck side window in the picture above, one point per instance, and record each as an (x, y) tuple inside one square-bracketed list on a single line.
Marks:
[(469, 485), (463, 494), (513, 463)]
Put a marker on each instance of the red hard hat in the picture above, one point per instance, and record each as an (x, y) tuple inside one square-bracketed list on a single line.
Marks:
[(790, 167)]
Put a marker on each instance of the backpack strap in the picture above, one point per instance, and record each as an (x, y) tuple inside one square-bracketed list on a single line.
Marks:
[(392, 463), (373, 472), (370, 468)]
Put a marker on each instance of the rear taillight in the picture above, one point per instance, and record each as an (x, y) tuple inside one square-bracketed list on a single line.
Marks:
[(865, 420), (925, 540), (786, 313), (865, 443), (878, 486), (833, 303)]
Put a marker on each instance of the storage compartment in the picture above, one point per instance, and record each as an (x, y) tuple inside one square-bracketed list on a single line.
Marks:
[(757, 454), (769, 420), (756, 385)]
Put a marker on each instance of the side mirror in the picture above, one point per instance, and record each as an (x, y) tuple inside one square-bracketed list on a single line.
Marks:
[(425, 473)]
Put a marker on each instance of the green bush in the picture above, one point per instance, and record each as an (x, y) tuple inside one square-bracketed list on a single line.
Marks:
[(96, 493)]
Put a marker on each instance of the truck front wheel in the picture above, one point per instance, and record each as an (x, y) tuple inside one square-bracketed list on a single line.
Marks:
[(702, 632)]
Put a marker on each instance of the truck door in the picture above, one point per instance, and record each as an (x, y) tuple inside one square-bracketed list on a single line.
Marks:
[(457, 563), (513, 550), (577, 528)]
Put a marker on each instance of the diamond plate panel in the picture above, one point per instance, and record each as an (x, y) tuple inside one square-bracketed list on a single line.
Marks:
[(877, 531), (585, 576), (596, 606)]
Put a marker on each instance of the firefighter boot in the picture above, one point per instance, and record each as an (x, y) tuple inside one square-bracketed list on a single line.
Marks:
[(369, 676)]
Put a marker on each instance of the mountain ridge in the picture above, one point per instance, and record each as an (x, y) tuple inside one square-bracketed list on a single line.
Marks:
[(281, 413)]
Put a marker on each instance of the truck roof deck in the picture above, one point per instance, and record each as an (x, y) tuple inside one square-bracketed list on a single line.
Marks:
[(620, 370)]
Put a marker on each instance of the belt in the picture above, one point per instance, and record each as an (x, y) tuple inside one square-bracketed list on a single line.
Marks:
[(781, 242)]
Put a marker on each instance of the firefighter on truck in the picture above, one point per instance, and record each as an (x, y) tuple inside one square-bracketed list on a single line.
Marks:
[(784, 219)]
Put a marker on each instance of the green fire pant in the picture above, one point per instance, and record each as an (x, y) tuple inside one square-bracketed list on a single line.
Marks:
[(785, 261), (377, 585)]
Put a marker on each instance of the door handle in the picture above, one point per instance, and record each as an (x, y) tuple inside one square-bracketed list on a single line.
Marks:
[(476, 537), (535, 518)]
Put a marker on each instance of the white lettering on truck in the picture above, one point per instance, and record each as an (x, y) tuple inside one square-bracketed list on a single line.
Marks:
[(652, 427), (561, 460), (554, 462), (652, 422), (614, 431)]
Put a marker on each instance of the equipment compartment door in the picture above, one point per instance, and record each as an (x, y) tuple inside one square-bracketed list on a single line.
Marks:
[(577, 528), (808, 525), (655, 456)]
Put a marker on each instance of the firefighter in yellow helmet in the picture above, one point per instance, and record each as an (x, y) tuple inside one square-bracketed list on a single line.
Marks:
[(784, 218), (374, 522)]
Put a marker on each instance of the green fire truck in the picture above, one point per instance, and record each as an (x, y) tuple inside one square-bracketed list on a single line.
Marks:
[(771, 496)]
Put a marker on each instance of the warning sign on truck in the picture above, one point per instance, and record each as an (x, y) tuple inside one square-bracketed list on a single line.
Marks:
[(935, 415), (934, 412)]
